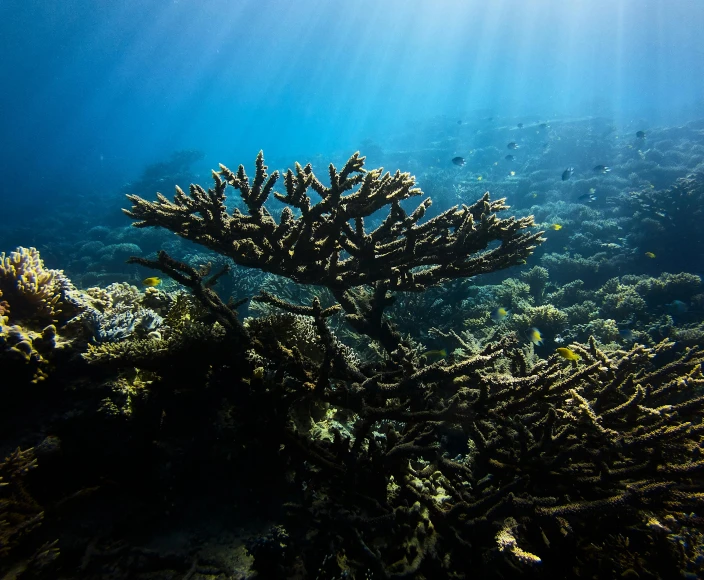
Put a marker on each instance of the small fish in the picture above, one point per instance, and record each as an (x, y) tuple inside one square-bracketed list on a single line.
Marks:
[(543, 125), (626, 334), (535, 336), (602, 169), (588, 197), (459, 122), (479, 178), (592, 190), (509, 157), (649, 255), (568, 353), (567, 173), (435, 354), (534, 195), (661, 213), (152, 281), (513, 145), (520, 125), (458, 161), (512, 173), (556, 227), (498, 314), (640, 134)]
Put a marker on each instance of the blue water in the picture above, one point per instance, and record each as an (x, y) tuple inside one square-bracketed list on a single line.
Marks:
[(586, 115), (94, 91)]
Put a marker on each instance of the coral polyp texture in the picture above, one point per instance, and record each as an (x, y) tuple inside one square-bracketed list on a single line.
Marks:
[(27, 287), (327, 243)]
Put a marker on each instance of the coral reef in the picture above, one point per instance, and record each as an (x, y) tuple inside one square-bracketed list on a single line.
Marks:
[(486, 456), (312, 247), (328, 245)]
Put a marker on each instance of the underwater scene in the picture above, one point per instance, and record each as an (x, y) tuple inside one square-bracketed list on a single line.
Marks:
[(324, 290)]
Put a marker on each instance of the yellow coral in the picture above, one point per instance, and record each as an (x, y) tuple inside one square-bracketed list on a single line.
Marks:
[(24, 351), (506, 540), (28, 287)]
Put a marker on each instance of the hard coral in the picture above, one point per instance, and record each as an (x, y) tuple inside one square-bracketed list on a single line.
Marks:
[(32, 291), (327, 243), (25, 354)]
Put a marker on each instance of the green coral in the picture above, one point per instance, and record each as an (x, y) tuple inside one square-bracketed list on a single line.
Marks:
[(537, 278), (666, 287), (622, 303), (581, 313), (547, 318)]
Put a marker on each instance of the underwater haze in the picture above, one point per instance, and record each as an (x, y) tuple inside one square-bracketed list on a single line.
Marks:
[(94, 91), (377, 289)]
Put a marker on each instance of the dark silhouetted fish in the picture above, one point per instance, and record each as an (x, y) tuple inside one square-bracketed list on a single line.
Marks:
[(509, 157), (520, 125), (602, 169), (458, 161), (640, 134), (626, 334), (567, 173), (512, 145), (459, 122), (543, 125)]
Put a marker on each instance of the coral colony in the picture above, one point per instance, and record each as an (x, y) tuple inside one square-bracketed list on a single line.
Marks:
[(484, 453)]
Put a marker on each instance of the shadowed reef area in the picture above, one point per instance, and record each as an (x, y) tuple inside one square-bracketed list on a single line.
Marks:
[(324, 389)]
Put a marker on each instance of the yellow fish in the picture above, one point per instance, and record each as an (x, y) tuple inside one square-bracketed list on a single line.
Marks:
[(568, 354), (535, 336), (479, 178), (592, 190), (513, 173), (556, 227), (152, 281), (498, 314), (650, 255), (435, 354)]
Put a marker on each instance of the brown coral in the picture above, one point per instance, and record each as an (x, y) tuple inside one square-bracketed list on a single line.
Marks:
[(328, 243)]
